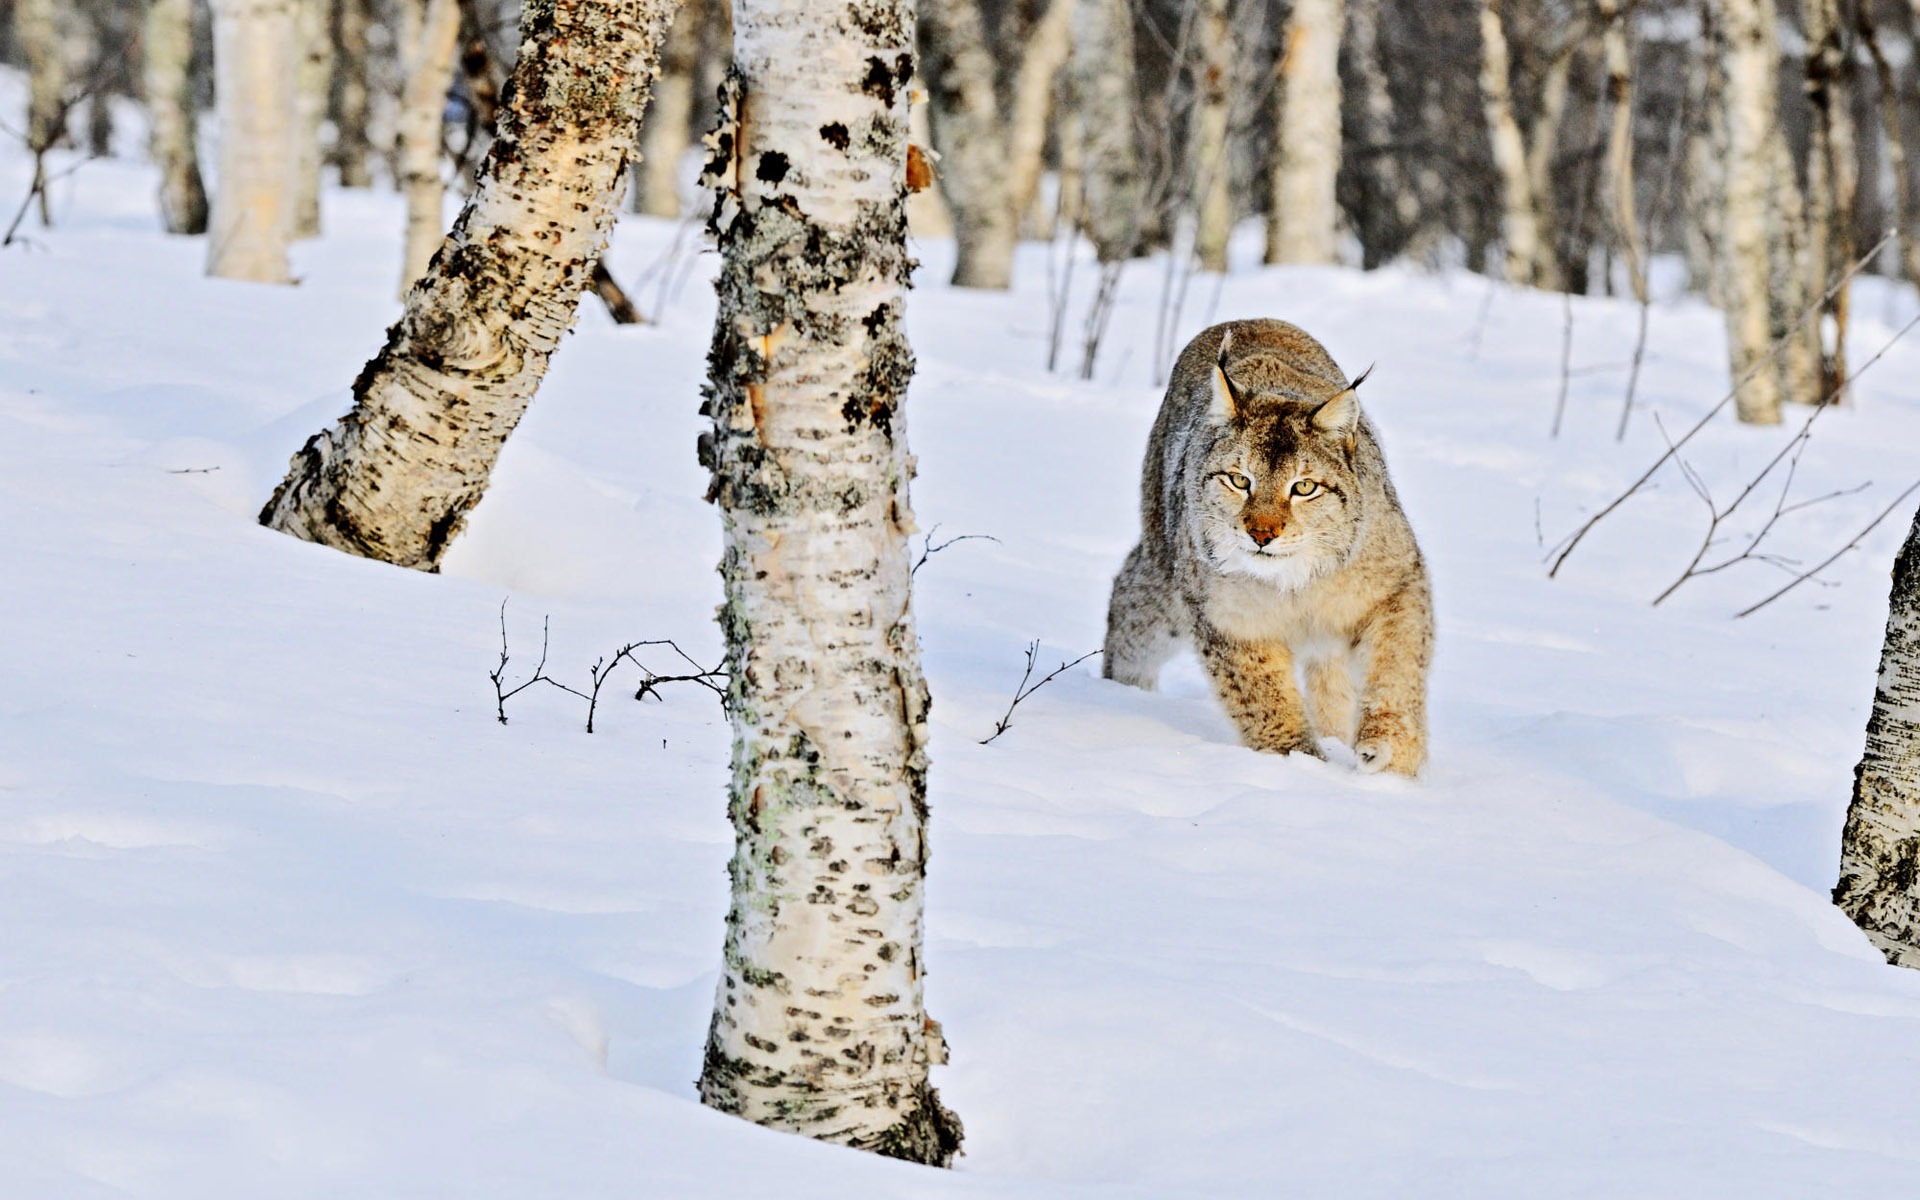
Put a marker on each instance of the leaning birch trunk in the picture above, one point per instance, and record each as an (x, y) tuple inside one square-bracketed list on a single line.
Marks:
[(1210, 156), (1519, 211), (168, 82), (429, 34), (1747, 98), (1100, 92), (1879, 883), (818, 1024), (395, 477), (253, 67), (1045, 52), (1391, 209), (352, 102), (1302, 212), (1832, 175), (314, 34), (666, 133), (970, 137), (41, 43), (1619, 165)]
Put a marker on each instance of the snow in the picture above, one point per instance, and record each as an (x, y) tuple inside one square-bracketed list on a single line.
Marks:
[(289, 913)]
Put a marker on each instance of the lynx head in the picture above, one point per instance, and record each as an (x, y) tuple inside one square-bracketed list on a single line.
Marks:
[(1279, 487)]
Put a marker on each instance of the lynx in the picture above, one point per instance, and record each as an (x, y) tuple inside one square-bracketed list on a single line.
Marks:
[(1272, 542)]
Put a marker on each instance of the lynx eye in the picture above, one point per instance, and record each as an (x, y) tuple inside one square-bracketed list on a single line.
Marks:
[(1303, 488), (1236, 481)]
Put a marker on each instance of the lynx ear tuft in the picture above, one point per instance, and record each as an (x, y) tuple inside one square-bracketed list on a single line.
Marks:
[(1227, 399), (1340, 414)]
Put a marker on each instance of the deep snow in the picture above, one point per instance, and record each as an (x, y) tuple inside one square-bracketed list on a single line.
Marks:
[(287, 913)]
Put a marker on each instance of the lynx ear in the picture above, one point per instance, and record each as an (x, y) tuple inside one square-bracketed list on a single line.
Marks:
[(1342, 413), (1227, 400)]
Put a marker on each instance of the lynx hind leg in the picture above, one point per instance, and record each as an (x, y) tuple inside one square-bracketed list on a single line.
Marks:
[(1255, 683), (1333, 701), (1141, 630)]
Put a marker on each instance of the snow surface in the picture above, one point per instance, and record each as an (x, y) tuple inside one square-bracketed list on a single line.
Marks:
[(289, 914)]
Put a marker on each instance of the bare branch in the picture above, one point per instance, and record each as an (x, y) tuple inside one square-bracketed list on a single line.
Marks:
[(1024, 690), (1828, 561)]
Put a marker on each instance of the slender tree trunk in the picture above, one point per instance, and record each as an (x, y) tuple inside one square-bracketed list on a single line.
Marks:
[(1706, 161), (1210, 156), (665, 135), (1528, 255), (970, 136), (168, 80), (1391, 207), (1906, 197), (818, 1025), (254, 63), (37, 35), (1832, 180), (395, 477), (1879, 883), (1102, 100), (1750, 115), (1047, 46), (1303, 214), (314, 34), (352, 102), (429, 34), (1617, 55)]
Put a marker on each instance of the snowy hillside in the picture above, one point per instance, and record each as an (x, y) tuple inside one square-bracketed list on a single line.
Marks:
[(289, 914)]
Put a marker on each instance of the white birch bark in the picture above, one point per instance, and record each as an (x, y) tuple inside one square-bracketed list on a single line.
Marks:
[(1303, 214), (1617, 58), (395, 477), (1879, 884), (970, 136), (1209, 157), (314, 38), (1045, 53), (253, 64), (167, 80), (1706, 161), (1102, 97), (667, 131), (352, 104), (42, 46), (818, 1024), (1520, 231), (1749, 74), (429, 35)]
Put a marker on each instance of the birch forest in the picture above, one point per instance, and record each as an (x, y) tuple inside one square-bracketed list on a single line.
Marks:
[(394, 393)]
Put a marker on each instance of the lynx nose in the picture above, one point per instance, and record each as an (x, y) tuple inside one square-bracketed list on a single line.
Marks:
[(1261, 532)]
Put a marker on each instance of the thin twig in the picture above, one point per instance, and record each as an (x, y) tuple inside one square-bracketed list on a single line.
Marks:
[(1024, 690), (929, 548), (1835, 556)]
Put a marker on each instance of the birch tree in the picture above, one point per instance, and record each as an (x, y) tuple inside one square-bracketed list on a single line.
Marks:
[(1832, 177), (395, 477), (168, 83), (1528, 257), (1390, 210), (664, 136), (1619, 163), (1750, 211), (1302, 213), (1210, 155), (253, 64), (1879, 883), (818, 1026), (429, 34), (352, 100), (41, 43), (313, 33), (1101, 93)]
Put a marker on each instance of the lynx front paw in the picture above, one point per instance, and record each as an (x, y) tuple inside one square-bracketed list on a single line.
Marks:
[(1390, 745)]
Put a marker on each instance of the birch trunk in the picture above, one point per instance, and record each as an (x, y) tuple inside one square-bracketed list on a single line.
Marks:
[(42, 46), (1832, 179), (314, 34), (1617, 56), (818, 1024), (352, 104), (1520, 229), (1879, 883), (1748, 103), (1102, 96), (1390, 208), (1706, 162), (1210, 158), (1303, 213), (1906, 198), (1047, 46), (168, 82), (429, 34), (970, 137), (395, 477), (254, 62), (665, 135)]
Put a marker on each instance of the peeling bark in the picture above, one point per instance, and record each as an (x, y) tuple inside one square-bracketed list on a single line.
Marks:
[(395, 477), (168, 82), (253, 61), (1303, 214), (1879, 884), (818, 1023)]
